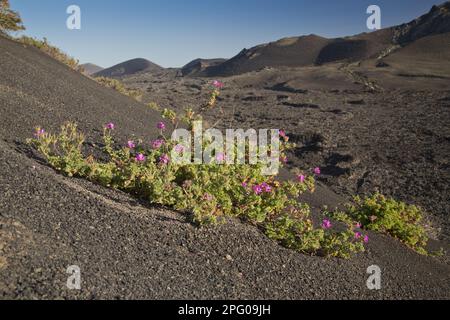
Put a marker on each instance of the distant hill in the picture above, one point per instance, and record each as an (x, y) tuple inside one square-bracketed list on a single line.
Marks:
[(197, 66), (90, 68), (313, 49), (129, 67), (293, 52)]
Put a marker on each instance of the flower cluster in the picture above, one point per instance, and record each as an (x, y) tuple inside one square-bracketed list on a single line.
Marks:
[(158, 143), (326, 224), (262, 188)]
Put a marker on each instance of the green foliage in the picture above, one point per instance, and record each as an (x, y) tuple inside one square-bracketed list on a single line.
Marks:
[(120, 87), (170, 115), (209, 192), (296, 231), (51, 50), (391, 217), (9, 19)]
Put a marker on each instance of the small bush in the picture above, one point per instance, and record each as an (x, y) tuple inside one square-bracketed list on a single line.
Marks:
[(209, 192), (9, 19), (120, 87), (52, 51), (391, 217)]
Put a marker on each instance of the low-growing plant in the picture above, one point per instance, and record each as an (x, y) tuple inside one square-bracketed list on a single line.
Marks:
[(51, 50), (209, 192), (297, 232), (120, 87), (392, 217)]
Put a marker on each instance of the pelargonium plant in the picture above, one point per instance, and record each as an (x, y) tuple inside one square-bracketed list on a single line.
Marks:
[(146, 170)]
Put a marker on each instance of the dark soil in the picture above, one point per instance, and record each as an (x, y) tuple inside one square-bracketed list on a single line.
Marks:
[(396, 141)]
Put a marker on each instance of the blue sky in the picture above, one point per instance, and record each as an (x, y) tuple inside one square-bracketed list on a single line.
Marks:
[(174, 32)]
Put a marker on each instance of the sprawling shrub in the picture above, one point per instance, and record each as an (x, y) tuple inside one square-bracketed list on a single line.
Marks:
[(209, 193), (392, 217), (9, 19)]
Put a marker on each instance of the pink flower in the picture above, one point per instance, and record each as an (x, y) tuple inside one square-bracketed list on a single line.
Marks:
[(161, 126), (164, 159), (357, 235), (157, 144), (301, 178), (366, 239), (244, 184), (257, 189), (217, 84), (179, 148), (326, 224), (110, 126), (283, 135), (131, 144), (39, 132), (358, 225), (140, 157), (267, 188), (220, 157), (317, 171)]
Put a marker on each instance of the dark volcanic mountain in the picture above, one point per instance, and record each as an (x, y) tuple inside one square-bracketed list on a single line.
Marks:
[(195, 67), (434, 22), (90, 68), (129, 67), (293, 52), (313, 50), (359, 47)]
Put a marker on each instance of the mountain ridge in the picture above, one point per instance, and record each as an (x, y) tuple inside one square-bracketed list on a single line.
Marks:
[(316, 50), (129, 67)]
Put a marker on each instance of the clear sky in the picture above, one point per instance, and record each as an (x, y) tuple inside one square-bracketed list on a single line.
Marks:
[(174, 32)]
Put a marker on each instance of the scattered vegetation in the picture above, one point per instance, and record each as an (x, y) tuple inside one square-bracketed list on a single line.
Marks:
[(9, 19), (210, 193), (120, 87), (51, 50), (59, 55)]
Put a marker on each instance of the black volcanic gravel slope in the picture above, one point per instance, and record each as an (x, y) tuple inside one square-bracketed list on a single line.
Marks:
[(126, 249), (36, 90)]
